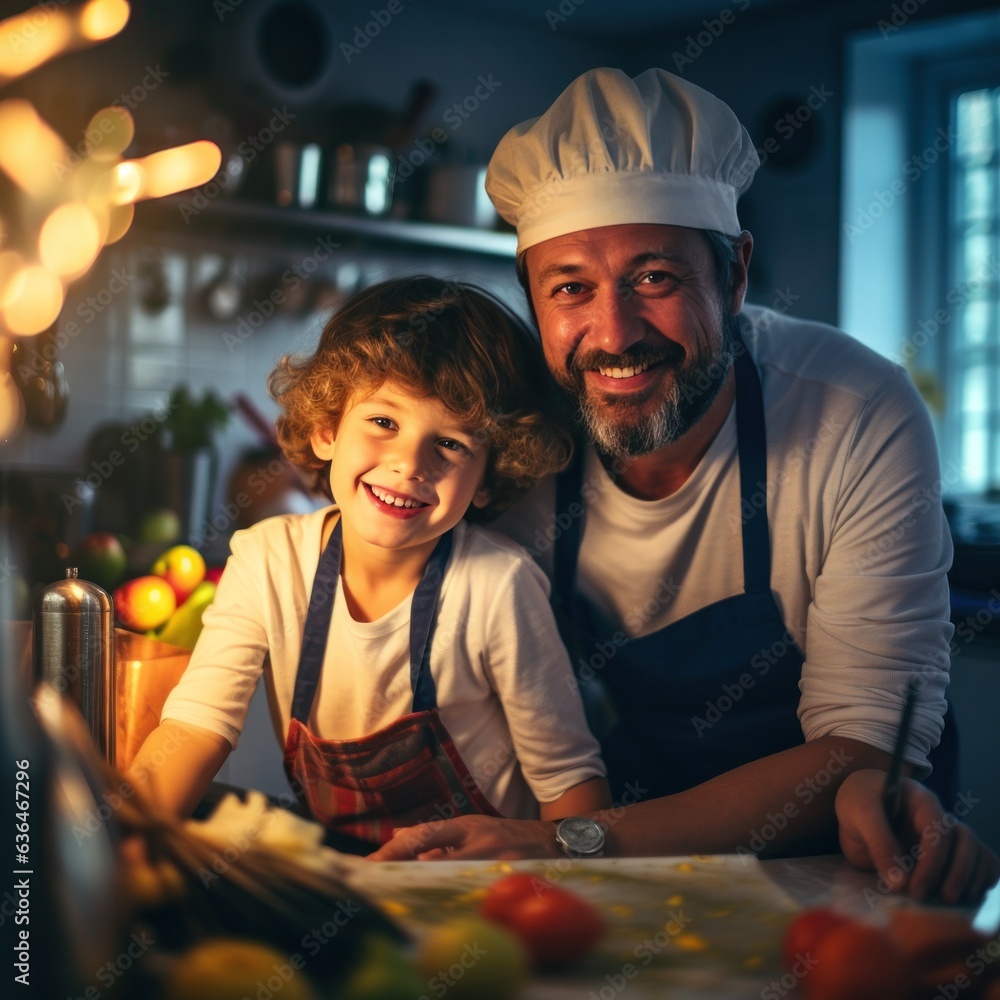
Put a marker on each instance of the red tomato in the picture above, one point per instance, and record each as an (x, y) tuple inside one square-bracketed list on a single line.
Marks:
[(556, 926), (505, 893), (858, 962), (804, 933)]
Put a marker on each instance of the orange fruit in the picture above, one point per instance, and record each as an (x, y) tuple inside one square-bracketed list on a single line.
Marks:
[(144, 603)]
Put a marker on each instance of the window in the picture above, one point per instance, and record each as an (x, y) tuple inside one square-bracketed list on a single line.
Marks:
[(972, 415), (920, 240)]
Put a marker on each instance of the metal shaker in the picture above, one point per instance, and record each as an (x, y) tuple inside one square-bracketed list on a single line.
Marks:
[(74, 650)]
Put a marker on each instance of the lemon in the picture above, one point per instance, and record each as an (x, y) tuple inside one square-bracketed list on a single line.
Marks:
[(472, 959), (235, 968)]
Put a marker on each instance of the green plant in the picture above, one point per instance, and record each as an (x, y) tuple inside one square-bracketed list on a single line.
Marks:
[(190, 424)]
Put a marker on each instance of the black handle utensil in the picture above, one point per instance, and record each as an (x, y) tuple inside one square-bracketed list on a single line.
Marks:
[(892, 797)]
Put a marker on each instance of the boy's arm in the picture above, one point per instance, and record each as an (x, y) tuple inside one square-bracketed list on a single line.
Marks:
[(588, 796), (176, 764), (529, 669)]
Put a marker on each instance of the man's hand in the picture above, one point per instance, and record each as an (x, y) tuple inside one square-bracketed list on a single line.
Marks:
[(467, 837), (943, 858)]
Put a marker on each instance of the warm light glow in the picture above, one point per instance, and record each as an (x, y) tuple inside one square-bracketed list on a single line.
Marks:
[(11, 407), (85, 193), (44, 32), (108, 133), (32, 38), (30, 151), (70, 240), (10, 262), (91, 182), (102, 19), (32, 300), (176, 169), (119, 219), (126, 182)]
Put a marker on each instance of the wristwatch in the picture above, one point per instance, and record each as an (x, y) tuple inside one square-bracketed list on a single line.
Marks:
[(580, 837)]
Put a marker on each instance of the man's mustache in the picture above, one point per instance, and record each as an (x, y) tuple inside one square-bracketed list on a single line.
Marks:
[(636, 356)]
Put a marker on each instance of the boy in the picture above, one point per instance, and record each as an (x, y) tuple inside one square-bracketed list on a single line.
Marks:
[(413, 665)]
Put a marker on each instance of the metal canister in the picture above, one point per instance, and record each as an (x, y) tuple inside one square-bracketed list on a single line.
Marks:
[(361, 178), (74, 650)]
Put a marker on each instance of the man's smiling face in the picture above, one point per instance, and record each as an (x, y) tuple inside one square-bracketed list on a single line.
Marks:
[(633, 326)]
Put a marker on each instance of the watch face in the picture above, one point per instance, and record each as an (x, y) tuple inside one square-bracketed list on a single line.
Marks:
[(580, 835)]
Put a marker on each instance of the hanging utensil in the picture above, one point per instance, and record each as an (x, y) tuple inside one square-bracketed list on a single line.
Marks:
[(224, 294), (41, 378), (402, 132)]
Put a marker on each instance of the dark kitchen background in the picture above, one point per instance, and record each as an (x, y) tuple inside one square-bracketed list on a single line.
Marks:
[(354, 138)]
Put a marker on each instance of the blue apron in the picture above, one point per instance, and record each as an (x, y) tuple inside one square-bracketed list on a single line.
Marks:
[(707, 693)]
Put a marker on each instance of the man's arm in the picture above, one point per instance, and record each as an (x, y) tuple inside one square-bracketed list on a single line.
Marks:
[(784, 800), (774, 805)]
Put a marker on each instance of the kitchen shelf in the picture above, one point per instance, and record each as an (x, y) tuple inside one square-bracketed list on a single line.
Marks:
[(230, 217)]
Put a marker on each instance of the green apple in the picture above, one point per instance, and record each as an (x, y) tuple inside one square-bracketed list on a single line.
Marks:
[(476, 959), (382, 973), (162, 526)]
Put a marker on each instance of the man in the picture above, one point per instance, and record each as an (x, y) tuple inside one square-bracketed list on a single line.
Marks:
[(751, 552)]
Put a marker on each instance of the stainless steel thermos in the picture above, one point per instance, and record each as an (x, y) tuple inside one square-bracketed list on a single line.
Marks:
[(73, 649)]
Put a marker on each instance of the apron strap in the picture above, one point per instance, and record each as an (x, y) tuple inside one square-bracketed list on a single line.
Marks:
[(569, 488), (317, 626), (425, 601), (751, 446)]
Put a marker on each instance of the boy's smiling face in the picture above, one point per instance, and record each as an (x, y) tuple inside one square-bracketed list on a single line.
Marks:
[(403, 469)]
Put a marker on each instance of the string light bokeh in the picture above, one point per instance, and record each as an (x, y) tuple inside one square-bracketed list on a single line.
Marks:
[(68, 206)]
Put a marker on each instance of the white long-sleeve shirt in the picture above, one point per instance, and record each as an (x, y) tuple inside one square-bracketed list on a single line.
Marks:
[(860, 546), (505, 689)]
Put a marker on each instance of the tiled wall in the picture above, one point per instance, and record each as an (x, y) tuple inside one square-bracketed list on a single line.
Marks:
[(139, 325)]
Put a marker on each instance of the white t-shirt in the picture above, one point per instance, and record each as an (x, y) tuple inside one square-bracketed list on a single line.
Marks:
[(860, 547), (505, 689)]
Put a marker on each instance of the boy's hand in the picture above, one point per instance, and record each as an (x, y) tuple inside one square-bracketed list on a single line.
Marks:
[(944, 857), (467, 837)]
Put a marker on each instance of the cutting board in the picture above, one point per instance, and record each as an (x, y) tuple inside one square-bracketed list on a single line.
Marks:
[(704, 926)]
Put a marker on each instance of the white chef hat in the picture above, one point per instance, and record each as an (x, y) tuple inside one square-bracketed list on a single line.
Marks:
[(612, 150)]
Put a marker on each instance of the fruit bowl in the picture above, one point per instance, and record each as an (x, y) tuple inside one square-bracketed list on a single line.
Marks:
[(146, 671)]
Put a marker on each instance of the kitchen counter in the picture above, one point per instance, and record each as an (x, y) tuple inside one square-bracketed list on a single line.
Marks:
[(703, 926)]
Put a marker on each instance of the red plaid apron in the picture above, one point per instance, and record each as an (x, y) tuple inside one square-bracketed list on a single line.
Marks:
[(408, 772)]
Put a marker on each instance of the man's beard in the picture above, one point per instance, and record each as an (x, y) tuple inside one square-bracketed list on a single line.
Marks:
[(628, 426)]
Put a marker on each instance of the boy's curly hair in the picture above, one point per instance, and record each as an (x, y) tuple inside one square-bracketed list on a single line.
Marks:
[(434, 338)]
